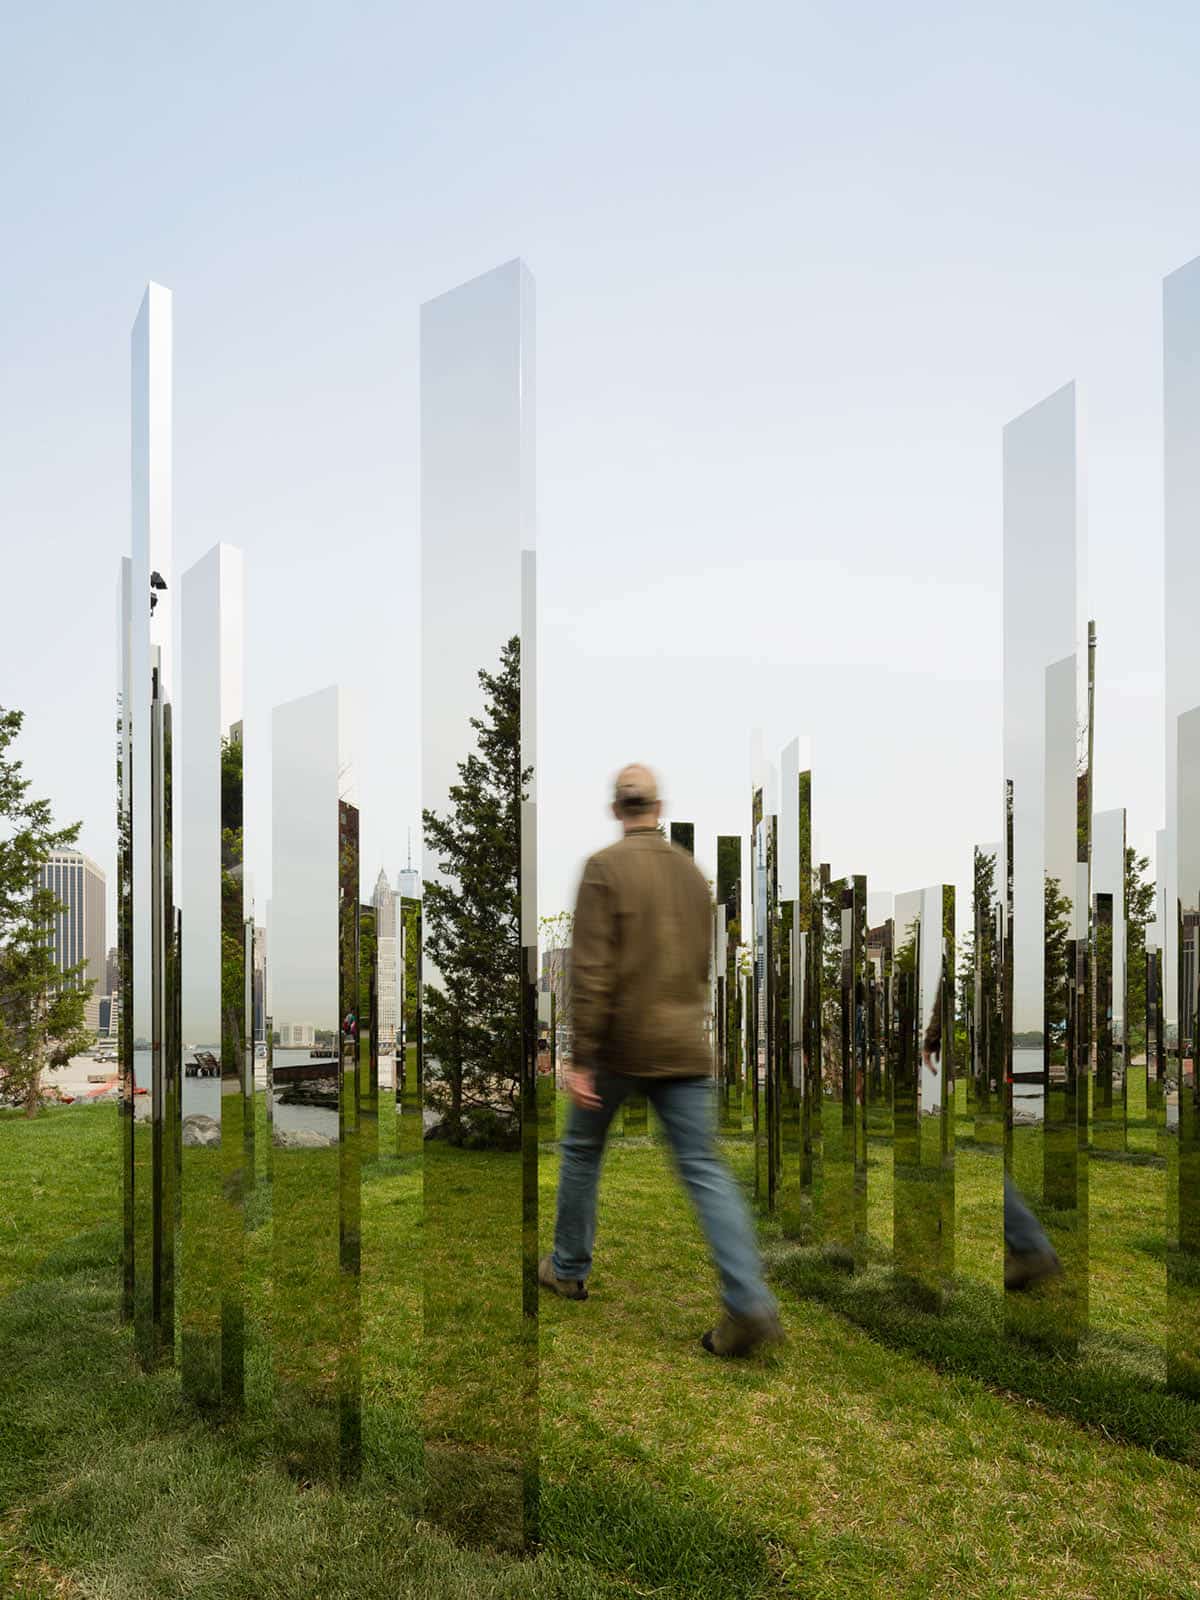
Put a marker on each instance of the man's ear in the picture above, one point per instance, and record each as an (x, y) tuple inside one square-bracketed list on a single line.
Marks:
[(616, 810)]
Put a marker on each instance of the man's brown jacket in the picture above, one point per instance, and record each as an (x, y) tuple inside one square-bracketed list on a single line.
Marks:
[(639, 961)]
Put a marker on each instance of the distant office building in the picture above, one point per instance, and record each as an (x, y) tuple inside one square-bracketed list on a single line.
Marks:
[(409, 879), (556, 970), (110, 1014), (387, 965), (112, 972), (78, 884), (297, 1036), (259, 983)]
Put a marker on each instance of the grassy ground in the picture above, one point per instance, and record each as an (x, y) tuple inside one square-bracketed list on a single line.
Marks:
[(839, 1466)]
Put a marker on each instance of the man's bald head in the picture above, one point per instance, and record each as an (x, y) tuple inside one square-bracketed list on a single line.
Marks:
[(635, 796)]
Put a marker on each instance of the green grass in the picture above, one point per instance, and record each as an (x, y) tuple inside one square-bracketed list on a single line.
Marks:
[(840, 1465)]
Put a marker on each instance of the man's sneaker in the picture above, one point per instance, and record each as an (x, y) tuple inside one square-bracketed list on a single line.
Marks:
[(1022, 1270), (738, 1336), (569, 1288)]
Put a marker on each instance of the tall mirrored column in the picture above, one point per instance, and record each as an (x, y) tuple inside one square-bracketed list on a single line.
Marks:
[(125, 1057), (924, 1173), (367, 1016), (987, 1018), (479, 908), (843, 1195), (146, 648), (410, 1106), (1183, 1142), (854, 1050), (912, 1206), (1181, 573), (1156, 1062), (217, 1082), (729, 988), (794, 919), (1109, 1073), (1045, 712), (314, 928), (879, 970), (765, 898)]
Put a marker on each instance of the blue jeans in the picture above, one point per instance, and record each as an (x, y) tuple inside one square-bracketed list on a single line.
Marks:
[(1023, 1233), (687, 1109)]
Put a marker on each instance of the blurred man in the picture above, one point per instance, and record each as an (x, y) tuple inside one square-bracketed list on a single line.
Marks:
[(639, 959)]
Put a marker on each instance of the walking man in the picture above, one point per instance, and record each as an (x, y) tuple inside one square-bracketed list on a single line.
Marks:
[(639, 960)]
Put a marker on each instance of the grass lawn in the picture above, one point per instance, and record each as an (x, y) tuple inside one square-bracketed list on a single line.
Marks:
[(841, 1465)]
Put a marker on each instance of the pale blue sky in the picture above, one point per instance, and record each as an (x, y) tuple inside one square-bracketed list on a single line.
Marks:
[(796, 265)]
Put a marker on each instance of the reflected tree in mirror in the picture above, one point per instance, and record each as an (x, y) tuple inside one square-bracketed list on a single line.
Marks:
[(472, 1018)]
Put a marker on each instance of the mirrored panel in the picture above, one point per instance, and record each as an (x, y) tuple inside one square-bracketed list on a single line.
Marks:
[(986, 1019), (1109, 1073), (879, 969), (385, 902), (1047, 787), (410, 1106), (314, 990), (912, 1208), (153, 1151), (764, 1085), (479, 906), (683, 834), (1183, 1087), (214, 1126), (125, 1056), (367, 1019), (794, 918), (545, 1062), (728, 1001), (843, 1193)]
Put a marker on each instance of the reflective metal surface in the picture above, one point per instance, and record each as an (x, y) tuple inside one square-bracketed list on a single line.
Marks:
[(1047, 743), (125, 1073), (1181, 575), (479, 1041), (986, 1036), (792, 1198), (683, 834), (1109, 1074), (763, 1087), (409, 1098), (843, 1195), (216, 1113), (150, 1161), (1183, 1084), (314, 932), (924, 1106), (367, 1009), (728, 1032)]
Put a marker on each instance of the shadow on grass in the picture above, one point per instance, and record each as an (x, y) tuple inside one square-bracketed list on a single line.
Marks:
[(108, 1476), (1110, 1385)]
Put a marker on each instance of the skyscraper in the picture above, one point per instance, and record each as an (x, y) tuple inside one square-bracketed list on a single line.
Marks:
[(386, 960), (80, 933), (409, 878)]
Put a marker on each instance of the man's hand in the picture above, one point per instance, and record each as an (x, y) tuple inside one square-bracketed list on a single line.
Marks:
[(581, 1086), (928, 1057)]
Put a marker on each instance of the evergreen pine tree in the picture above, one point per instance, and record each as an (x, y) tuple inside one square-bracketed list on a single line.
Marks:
[(41, 1008), (472, 1017)]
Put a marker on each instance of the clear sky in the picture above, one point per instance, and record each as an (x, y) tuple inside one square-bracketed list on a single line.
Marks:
[(796, 265)]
